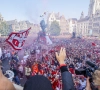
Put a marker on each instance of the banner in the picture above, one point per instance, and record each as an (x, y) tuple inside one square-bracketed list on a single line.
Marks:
[(17, 40)]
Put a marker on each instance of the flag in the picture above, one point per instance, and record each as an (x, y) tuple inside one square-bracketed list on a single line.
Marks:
[(17, 40), (93, 44), (43, 14)]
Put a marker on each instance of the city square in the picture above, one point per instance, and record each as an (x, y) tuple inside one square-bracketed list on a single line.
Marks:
[(49, 47)]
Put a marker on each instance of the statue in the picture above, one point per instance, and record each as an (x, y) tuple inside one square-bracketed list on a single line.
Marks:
[(43, 26), (42, 36)]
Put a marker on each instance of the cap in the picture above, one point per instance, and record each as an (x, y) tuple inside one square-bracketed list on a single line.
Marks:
[(38, 82)]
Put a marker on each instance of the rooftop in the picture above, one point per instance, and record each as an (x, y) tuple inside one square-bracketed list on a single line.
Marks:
[(84, 19)]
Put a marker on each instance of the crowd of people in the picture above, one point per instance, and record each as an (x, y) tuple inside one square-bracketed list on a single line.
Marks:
[(40, 59)]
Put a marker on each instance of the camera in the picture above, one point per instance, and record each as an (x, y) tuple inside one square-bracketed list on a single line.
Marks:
[(87, 71)]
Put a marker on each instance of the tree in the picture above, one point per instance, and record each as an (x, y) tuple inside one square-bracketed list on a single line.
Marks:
[(4, 29), (54, 29)]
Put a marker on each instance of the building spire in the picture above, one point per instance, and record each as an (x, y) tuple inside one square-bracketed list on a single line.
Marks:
[(82, 15)]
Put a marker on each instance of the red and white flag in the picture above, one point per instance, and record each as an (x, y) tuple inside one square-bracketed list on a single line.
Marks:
[(93, 44), (17, 40)]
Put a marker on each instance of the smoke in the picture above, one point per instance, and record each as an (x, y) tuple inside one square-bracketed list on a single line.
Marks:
[(33, 11), (32, 16), (45, 2)]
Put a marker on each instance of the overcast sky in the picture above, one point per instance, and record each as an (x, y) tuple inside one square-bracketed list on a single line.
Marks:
[(32, 9)]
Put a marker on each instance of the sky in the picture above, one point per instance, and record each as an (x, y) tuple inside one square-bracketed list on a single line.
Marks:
[(32, 9)]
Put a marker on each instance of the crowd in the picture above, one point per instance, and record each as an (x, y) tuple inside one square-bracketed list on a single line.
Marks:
[(39, 59)]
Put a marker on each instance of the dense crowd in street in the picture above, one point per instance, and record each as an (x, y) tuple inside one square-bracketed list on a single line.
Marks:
[(39, 59)]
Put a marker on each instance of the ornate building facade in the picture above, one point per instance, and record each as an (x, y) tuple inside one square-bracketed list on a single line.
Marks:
[(90, 25), (72, 25), (53, 17), (15, 26), (63, 23), (94, 14), (82, 25), (94, 7)]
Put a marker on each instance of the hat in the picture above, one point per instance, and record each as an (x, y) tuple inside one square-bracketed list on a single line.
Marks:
[(38, 82)]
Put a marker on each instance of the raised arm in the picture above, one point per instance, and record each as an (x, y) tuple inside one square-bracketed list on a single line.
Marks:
[(67, 79)]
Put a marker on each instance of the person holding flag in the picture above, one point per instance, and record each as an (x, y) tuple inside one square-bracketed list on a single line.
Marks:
[(17, 40)]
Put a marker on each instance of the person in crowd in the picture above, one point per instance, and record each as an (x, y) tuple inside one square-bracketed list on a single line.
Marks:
[(12, 63), (21, 69), (1, 66), (82, 82), (8, 55), (44, 83), (4, 53), (15, 57), (16, 79), (27, 72), (46, 64)]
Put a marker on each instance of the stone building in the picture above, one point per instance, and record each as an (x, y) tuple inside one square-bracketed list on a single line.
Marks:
[(67, 26), (82, 25), (90, 25), (94, 7), (94, 14), (96, 24), (15, 26), (72, 25), (23, 25), (63, 23), (53, 17)]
